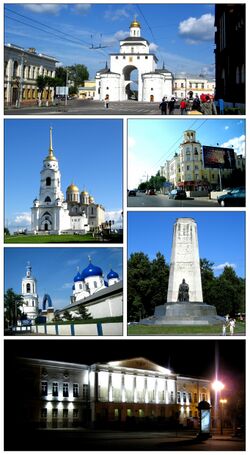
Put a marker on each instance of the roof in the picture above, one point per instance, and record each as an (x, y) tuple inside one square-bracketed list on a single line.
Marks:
[(93, 299), (132, 38)]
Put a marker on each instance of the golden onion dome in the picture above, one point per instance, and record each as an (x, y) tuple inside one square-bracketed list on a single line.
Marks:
[(135, 23), (73, 187), (50, 157), (84, 193)]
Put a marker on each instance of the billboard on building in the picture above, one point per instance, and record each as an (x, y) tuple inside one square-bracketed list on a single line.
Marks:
[(218, 157)]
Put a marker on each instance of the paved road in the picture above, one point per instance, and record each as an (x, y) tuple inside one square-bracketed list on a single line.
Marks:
[(161, 200), (89, 107), (121, 441)]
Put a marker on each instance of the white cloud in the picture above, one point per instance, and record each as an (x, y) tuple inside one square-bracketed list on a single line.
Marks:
[(40, 8), (222, 266), (82, 7), (153, 47), (227, 127), (198, 29), (238, 144), (23, 218), (131, 142), (114, 15), (115, 215)]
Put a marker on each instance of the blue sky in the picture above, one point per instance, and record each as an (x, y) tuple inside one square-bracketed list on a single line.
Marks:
[(153, 141), (221, 236), (89, 154), (181, 35), (55, 268)]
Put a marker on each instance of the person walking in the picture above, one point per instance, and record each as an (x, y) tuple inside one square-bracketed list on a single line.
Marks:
[(106, 101), (171, 106), (163, 107), (231, 326), (208, 107), (183, 106)]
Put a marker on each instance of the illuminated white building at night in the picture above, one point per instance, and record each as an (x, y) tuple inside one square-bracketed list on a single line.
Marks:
[(76, 395)]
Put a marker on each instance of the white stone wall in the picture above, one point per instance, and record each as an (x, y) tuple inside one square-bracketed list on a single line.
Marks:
[(110, 307)]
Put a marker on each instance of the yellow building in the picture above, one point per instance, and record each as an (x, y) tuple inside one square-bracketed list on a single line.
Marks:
[(87, 90)]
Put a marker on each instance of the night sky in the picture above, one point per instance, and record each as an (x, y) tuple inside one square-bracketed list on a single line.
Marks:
[(186, 357)]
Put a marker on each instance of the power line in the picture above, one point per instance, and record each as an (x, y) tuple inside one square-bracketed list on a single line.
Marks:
[(150, 29), (44, 25)]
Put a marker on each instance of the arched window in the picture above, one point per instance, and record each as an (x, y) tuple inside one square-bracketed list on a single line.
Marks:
[(47, 199), (28, 287), (48, 181)]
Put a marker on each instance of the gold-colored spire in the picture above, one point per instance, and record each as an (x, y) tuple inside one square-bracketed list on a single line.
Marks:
[(51, 154)]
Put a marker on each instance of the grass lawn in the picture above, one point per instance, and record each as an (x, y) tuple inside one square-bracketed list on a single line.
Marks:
[(183, 330), (67, 238)]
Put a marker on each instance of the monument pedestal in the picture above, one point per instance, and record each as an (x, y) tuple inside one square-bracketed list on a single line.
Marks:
[(184, 313)]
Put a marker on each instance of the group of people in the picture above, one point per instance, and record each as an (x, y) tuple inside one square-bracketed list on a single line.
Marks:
[(167, 106), (191, 106), (229, 323)]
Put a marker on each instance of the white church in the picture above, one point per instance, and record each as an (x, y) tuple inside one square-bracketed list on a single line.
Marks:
[(115, 82), (52, 213), (101, 297)]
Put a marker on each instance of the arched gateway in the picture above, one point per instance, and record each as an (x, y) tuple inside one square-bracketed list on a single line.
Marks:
[(150, 84)]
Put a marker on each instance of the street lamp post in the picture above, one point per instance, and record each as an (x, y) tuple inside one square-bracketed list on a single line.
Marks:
[(222, 402), (217, 386)]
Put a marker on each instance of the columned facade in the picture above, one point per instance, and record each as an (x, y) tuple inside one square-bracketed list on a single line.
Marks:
[(116, 393)]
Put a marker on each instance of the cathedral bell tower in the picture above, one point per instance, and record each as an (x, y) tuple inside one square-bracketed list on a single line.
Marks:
[(29, 293), (49, 211)]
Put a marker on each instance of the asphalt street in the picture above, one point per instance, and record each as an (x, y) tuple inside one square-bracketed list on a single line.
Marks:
[(162, 200), (90, 107), (57, 439)]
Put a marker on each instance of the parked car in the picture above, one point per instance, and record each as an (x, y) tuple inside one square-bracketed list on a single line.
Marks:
[(234, 198), (177, 194), (132, 193)]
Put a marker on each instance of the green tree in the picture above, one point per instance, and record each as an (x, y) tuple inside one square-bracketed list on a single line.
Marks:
[(82, 310), (78, 73), (41, 83), (139, 286), (232, 289), (208, 281), (12, 303), (67, 315), (6, 231), (159, 283)]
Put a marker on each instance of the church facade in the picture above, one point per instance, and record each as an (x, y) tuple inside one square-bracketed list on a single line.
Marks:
[(52, 213), (115, 82), (29, 294)]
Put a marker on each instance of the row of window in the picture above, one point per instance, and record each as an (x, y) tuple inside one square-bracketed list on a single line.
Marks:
[(184, 396), (55, 413), (138, 57), (65, 389), (29, 72)]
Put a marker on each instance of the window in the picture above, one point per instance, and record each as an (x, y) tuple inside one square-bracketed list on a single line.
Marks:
[(182, 85), (141, 413), (129, 413), (190, 397), (54, 413), (47, 199), (55, 389), (195, 397), (138, 58), (178, 397), (28, 287), (196, 167), (146, 57), (85, 392), (190, 414), (172, 397), (48, 181), (75, 390), (132, 50), (65, 389), (65, 413), (75, 413), (44, 413), (188, 168), (184, 397), (116, 57)]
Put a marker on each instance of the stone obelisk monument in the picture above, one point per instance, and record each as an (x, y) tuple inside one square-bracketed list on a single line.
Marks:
[(185, 261), (184, 299)]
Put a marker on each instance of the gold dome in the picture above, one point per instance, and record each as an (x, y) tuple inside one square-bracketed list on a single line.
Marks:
[(135, 23), (73, 187), (51, 158), (84, 193)]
